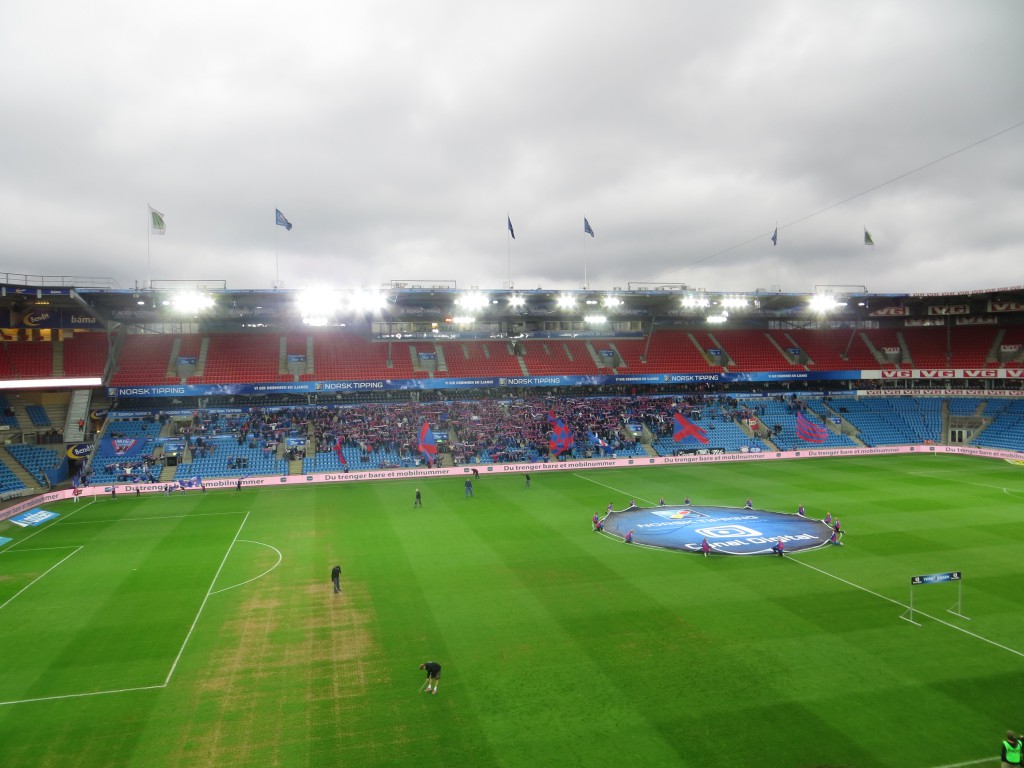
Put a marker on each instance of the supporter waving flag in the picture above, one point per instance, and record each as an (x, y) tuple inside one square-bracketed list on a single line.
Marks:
[(561, 436), (808, 431), (599, 443), (338, 450), (427, 443), (685, 428)]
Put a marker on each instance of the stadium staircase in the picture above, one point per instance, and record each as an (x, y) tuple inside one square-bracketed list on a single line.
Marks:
[(905, 355), (78, 409), (880, 358), (789, 357), (58, 358), (845, 426)]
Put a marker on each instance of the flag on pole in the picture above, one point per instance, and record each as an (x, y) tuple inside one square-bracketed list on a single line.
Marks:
[(808, 431), (587, 229), (510, 230), (775, 236), (867, 238), (281, 221), (596, 440), (427, 443), (685, 428), (156, 222), (561, 436)]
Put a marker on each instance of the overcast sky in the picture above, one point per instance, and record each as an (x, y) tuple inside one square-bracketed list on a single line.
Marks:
[(398, 136)]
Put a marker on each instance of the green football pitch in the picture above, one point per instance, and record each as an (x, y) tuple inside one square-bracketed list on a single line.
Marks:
[(202, 631)]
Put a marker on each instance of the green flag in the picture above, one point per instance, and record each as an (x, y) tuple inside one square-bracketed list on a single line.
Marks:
[(156, 222)]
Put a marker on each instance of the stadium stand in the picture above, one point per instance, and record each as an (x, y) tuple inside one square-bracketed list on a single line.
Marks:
[(85, 354), (37, 415), (35, 459), (238, 357), (144, 359), (673, 351), (26, 360)]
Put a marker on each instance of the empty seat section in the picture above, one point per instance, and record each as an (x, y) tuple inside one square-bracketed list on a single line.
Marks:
[(237, 357), (85, 354), (143, 360)]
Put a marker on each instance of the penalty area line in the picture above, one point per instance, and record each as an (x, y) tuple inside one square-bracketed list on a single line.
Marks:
[(975, 635), (82, 695), (280, 557), (206, 599)]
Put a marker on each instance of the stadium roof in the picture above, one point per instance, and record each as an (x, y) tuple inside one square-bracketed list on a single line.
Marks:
[(439, 301)]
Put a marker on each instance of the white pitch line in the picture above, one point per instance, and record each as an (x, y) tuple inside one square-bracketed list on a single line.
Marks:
[(280, 557), (46, 527), (82, 695), (611, 488), (945, 476), (37, 578), (904, 605), (969, 762), (153, 517), (199, 613)]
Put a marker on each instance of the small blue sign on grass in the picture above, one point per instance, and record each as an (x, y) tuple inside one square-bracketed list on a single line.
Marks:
[(4, 540), (33, 517)]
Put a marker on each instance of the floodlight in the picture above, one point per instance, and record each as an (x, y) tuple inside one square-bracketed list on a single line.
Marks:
[(516, 300), (463, 320), (595, 319), (718, 319), (693, 301), (823, 302), (611, 301), (734, 302), (566, 301), (190, 302), (474, 300)]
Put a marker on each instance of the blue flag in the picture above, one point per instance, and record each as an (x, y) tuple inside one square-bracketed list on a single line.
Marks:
[(587, 229), (428, 443), (684, 428), (281, 221), (808, 431), (561, 436), (775, 236), (510, 230)]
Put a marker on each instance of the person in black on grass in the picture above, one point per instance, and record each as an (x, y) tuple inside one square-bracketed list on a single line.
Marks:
[(336, 578), (433, 675), (418, 500)]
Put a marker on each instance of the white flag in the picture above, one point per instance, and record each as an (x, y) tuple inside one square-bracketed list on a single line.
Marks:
[(156, 222)]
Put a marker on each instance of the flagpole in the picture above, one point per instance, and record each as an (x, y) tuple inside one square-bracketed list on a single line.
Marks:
[(586, 284), (149, 238), (277, 260), (508, 247)]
